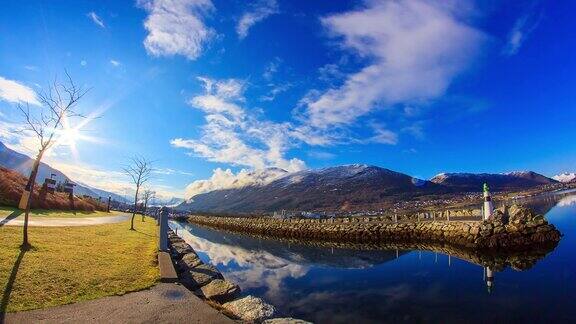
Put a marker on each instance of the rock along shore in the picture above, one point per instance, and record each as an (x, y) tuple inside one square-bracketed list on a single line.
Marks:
[(207, 282), (513, 228)]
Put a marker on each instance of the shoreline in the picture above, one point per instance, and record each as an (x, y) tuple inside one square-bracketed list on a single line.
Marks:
[(206, 282), (514, 229)]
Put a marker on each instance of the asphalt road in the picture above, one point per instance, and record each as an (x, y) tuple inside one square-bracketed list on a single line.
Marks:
[(61, 222), (163, 303)]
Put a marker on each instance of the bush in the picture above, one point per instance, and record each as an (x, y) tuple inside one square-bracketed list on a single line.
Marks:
[(12, 185)]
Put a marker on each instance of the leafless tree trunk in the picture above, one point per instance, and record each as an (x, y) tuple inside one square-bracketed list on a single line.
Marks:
[(147, 196), (58, 101), (139, 170)]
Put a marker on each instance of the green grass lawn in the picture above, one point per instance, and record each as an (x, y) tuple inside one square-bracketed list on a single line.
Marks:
[(5, 211), (71, 264)]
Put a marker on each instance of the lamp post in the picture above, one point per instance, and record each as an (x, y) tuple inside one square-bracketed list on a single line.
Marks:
[(488, 205)]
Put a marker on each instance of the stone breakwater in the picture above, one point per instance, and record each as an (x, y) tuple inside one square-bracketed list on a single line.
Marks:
[(207, 282), (513, 228)]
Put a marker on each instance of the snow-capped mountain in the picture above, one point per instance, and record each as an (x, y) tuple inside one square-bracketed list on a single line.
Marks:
[(496, 181), (565, 177), (22, 164)]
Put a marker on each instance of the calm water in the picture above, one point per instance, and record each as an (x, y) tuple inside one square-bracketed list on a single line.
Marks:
[(326, 285)]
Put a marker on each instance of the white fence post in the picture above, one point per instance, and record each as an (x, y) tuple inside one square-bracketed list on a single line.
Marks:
[(163, 243)]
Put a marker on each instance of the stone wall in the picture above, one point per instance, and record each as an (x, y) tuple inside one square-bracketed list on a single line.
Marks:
[(514, 228), (207, 282)]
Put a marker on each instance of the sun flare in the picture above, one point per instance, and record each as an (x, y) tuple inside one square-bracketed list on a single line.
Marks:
[(69, 136)]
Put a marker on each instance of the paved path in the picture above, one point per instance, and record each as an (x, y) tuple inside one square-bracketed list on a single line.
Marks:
[(163, 303), (60, 222)]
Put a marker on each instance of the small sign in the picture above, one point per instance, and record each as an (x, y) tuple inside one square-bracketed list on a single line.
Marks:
[(50, 185), (69, 187)]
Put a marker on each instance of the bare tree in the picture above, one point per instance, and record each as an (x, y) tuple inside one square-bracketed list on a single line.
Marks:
[(139, 170), (147, 196), (58, 103)]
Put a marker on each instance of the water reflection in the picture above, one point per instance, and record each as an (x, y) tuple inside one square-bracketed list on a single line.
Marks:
[(340, 283), (567, 201), (265, 264)]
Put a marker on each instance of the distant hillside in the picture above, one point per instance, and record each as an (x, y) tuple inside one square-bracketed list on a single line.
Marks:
[(22, 164), (340, 187), (12, 185), (497, 182)]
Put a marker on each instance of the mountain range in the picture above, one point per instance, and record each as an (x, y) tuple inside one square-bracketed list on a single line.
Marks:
[(498, 182), (348, 186), (314, 189)]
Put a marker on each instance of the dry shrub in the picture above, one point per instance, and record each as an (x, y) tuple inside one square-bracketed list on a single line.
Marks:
[(12, 185)]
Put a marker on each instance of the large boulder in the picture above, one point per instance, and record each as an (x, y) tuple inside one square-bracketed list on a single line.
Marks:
[(179, 249), (188, 261), (219, 290), (520, 215), (250, 308), (200, 276), (500, 215)]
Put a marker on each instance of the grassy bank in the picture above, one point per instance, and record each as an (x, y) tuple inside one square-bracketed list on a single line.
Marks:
[(5, 211), (68, 265)]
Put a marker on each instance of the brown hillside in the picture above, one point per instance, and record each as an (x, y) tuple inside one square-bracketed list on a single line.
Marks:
[(12, 184)]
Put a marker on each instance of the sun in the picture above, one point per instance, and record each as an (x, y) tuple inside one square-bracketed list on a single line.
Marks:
[(69, 137)]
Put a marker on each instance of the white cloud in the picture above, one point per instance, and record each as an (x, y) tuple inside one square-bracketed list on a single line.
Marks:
[(276, 90), (176, 27), (15, 92), (321, 155), (254, 266), (416, 130), (115, 63), (234, 135), (13, 136), (415, 49), (226, 179), (523, 27), (271, 68), (260, 10), (83, 63), (330, 72), (96, 19), (169, 171), (220, 98), (383, 135)]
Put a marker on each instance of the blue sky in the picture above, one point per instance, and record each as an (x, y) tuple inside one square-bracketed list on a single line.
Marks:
[(420, 87)]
